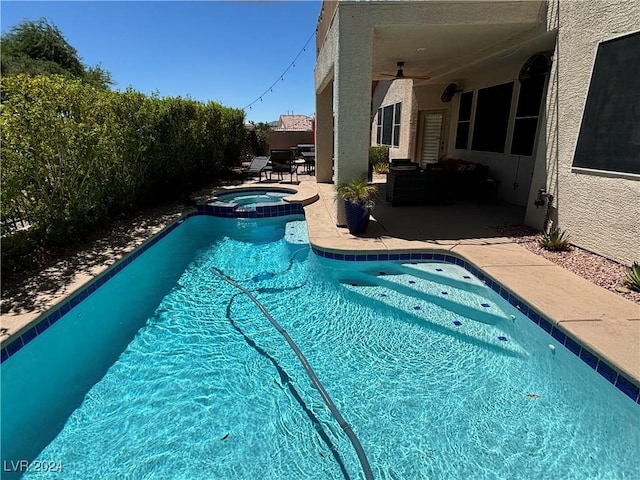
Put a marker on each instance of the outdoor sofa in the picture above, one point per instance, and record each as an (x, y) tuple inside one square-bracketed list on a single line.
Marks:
[(442, 182)]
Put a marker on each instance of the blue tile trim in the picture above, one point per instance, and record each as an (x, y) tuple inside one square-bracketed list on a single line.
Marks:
[(219, 209), (598, 364), (54, 314), (628, 388)]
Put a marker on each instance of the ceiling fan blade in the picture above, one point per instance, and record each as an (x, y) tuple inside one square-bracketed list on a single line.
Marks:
[(406, 77), (401, 75)]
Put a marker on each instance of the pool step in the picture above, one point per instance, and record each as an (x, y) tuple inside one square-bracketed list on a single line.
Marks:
[(444, 273), (489, 332), (296, 233), (463, 301)]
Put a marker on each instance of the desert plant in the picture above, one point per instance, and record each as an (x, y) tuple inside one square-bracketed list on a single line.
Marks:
[(632, 277), (554, 239), (381, 167)]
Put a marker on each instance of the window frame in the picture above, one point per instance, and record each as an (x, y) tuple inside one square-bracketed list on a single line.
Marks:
[(522, 117), (389, 128), (589, 134), (465, 122)]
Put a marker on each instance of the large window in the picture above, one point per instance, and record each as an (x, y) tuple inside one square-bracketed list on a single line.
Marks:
[(464, 121), (492, 118), (609, 137), (389, 125), (527, 112)]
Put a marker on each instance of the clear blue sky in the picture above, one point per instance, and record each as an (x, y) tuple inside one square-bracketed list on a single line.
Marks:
[(228, 52)]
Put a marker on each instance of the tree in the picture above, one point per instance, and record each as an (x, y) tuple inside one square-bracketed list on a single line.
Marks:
[(262, 130), (36, 47)]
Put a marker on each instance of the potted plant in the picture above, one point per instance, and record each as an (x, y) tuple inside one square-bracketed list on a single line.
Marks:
[(359, 200)]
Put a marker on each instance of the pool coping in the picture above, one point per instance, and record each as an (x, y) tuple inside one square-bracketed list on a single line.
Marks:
[(342, 246)]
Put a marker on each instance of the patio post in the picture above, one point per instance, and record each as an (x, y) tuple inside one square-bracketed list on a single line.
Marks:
[(324, 134), (352, 101)]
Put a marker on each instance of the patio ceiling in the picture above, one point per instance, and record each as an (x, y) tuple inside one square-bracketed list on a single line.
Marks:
[(452, 52)]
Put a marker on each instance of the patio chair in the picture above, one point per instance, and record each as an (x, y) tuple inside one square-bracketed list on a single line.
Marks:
[(282, 162), (257, 166)]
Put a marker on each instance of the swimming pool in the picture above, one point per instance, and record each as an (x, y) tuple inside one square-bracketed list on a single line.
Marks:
[(185, 378)]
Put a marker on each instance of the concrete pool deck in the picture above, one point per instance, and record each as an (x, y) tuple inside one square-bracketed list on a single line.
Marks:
[(602, 321)]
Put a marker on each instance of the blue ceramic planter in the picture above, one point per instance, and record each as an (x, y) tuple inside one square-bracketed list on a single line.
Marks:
[(357, 218)]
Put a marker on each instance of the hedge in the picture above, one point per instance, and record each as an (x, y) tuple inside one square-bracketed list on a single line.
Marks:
[(75, 156)]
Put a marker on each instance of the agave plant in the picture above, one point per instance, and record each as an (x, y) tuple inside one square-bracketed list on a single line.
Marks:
[(381, 167), (632, 277), (554, 239)]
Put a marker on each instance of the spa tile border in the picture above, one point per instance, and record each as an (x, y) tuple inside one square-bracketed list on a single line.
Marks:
[(601, 366), (266, 210)]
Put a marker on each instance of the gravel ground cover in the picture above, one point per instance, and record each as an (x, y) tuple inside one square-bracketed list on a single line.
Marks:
[(599, 270)]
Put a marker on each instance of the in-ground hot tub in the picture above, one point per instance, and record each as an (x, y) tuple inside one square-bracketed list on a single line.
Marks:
[(250, 198)]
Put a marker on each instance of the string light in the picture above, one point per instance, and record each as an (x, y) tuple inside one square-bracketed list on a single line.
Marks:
[(281, 76)]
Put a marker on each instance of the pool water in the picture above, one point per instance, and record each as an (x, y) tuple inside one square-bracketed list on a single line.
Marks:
[(186, 379)]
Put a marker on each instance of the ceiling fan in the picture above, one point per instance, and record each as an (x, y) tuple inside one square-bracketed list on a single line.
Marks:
[(400, 74)]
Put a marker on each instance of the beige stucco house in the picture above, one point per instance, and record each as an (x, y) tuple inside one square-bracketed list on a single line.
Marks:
[(545, 93)]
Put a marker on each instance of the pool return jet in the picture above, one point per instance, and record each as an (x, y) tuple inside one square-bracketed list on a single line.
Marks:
[(362, 457)]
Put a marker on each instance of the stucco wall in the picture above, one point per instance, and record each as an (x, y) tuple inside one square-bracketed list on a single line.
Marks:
[(600, 212)]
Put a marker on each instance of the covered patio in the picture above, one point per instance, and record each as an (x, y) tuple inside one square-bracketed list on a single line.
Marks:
[(360, 46)]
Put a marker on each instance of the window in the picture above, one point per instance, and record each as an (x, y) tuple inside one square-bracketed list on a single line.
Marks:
[(609, 137), (492, 118), (464, 121), (527, 112), (388, 132)]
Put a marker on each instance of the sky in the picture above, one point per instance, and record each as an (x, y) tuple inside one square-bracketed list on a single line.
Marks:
[(230, 52)]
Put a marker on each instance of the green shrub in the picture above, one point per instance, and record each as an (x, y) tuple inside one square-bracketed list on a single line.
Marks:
[(554, 239), (378, 154), (54, 154), (74, 156), (632, 277)]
